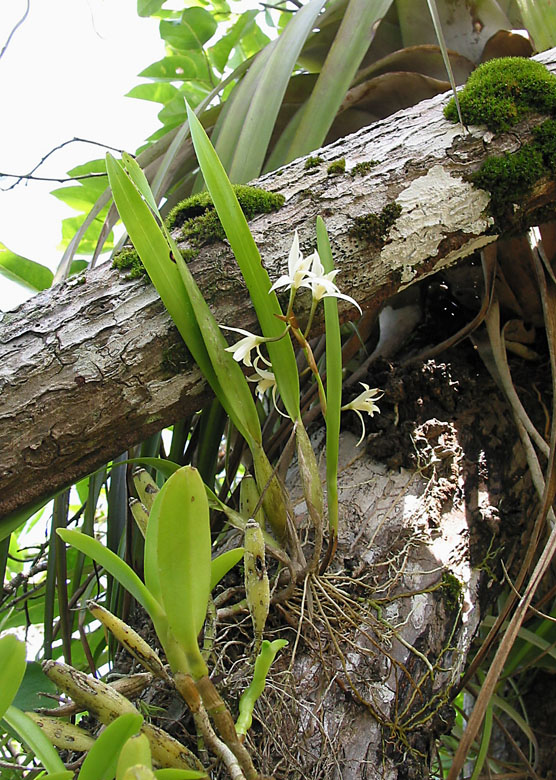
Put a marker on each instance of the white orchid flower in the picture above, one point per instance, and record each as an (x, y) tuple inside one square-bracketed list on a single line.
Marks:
[(365, 402), (322, 285), (265, 379), (241, 350), (298, 268)]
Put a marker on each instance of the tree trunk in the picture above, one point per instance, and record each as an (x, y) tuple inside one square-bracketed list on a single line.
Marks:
[(94, 365)]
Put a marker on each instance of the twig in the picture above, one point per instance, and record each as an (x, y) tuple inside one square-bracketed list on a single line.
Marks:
[(18, 24)]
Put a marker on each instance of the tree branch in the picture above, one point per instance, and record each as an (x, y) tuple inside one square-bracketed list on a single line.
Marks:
[(89, 369)]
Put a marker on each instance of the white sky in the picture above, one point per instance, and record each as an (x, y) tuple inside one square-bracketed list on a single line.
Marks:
[(64, 75)]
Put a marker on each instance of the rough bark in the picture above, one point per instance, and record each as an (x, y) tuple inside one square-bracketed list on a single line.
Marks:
[(86, 369)]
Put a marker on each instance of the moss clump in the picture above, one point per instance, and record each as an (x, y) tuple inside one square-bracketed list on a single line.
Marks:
[(511, 177), (451, 590), (200, 223), (312, 163), (361, 168), (374, 227), (129, 260), (501, 92), (336, 167)]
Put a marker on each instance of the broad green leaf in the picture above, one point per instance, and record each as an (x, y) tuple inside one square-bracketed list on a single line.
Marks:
[(12, 670), (135, 173), (67, 775), (194, 29), (183, 550), (247, 255), (23, 271), (222, 564), (148, 7), (88, 242), (157, 93), (34, 738), (101, 760), (179, 774), (354, 37), (539, 17), (182, 67), (93, 166), (252, 143), (114, 565), (333, 383), (35, 682), (83, 195)]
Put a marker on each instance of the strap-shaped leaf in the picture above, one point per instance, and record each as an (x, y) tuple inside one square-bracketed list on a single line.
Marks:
[(247, 255)]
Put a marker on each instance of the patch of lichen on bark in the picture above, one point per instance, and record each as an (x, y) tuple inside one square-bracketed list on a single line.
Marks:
[(499, 94)]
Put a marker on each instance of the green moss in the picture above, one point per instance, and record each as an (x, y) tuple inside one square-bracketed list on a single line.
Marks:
[(452, 590), (361, 168), (501, 92), (336, 167), (511, 177), (312, 162), (374, 227), (129, 260), (199, 221)]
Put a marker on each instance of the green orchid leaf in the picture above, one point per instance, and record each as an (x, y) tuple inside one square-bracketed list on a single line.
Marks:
[(35, 739), (115, 566), (333, 383), (23, 271), (102, 758), (179, 774), (247, 255), (67, 775), (183, 553), (12, 670), (248, 698), (136, 750), (222, 564)]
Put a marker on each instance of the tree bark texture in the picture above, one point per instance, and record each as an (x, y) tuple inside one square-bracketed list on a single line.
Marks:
[(94, 365)]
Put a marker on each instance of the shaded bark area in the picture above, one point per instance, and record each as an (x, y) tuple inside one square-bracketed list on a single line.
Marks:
[(93, 366)]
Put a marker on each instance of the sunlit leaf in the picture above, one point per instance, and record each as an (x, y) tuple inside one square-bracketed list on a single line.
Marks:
[(177, 68), (220, 52), (194, 29), (12, 670), (159, 92), (148, 7), (222, 564), (539, 17), (23, 271)]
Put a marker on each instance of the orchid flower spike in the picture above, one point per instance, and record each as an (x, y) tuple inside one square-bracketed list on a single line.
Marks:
[(365, 402)]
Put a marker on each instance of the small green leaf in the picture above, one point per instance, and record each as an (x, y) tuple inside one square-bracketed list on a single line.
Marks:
[(102, 758), (136, 750), (12, 670), (248, 698), (157, 93), (222, 564), (182, 67), (34, 738), (23, 271), (148, 7), (194, 29)]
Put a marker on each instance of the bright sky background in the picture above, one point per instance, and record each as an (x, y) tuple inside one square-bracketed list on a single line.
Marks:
[(64, 75)]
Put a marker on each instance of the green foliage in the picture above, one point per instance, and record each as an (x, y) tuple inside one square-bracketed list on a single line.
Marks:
[(311, 163), (361, 168), (23, 271), (501, 92)]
